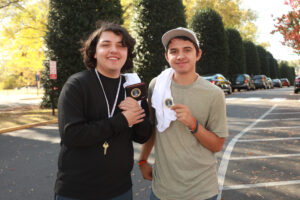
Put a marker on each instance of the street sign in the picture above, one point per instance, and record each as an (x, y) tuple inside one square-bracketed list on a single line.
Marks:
[(53, 73)]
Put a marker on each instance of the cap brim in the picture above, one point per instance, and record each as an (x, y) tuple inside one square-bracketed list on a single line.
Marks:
[(175, 33)]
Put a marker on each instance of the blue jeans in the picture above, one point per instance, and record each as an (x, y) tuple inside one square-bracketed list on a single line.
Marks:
[(126, 196), (153, 197)]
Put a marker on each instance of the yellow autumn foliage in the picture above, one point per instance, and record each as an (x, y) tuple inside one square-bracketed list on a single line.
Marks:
[(22, 46), (232, 15)]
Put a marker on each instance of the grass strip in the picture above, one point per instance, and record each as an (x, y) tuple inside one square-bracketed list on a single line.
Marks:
[(23, 117)]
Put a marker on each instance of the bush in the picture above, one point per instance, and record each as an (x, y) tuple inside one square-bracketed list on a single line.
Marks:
[(263, 59), (70, 22), (236, 58), (209, 27), (10, 82), (273, 66), (149, 24), (252, 60)]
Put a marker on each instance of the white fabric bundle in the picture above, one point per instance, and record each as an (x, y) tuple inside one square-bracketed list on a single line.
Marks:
[(161, 92), (131, 78)]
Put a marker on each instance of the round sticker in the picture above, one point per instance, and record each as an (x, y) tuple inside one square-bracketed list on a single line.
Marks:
[(168, 102), (136, 92)]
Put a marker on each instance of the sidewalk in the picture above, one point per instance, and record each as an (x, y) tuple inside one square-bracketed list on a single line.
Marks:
[(13, 101)]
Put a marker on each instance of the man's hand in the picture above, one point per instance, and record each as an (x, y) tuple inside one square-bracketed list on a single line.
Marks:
[(146, 171), (132, 111), (184, 115)]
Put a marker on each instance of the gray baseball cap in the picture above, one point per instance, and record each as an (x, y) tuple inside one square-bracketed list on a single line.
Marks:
[(180, 31)]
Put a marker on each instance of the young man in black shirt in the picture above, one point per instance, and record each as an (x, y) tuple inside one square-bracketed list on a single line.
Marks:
[(97, 122)]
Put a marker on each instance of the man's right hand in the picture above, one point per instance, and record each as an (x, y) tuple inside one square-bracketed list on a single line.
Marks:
[(134, 117), (132, 111), (146, 171)]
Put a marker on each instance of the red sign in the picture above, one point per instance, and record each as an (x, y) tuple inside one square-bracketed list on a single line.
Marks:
[(53, 73)]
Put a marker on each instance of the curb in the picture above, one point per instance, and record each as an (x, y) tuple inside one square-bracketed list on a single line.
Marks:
[(5, 130)]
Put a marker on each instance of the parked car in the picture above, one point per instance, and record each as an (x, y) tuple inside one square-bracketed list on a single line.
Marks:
[(242, 81), (219, 80), (260, 81), (270, 83), (285, 82), (297, 84), (277, 83)]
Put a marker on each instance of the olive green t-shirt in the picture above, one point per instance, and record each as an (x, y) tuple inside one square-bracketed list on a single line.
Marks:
[(184, 169)]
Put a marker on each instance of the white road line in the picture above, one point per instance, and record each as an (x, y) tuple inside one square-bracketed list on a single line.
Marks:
[(271, 139), (252, 99), (226, 155), (278, 127), (278, 99), (261, 157), (285, 113), (257, 99), (285, 119), (269, 184), (227, 99)]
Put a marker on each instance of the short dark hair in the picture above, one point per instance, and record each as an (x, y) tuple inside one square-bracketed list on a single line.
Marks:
[(185, 39), (88, 49)]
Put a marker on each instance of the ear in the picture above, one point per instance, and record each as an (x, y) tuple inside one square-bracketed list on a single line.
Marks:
[(199, 55), (166, 57)]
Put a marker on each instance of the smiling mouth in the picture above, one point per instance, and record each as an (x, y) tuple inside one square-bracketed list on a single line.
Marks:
[(113, 58), (181, 63)]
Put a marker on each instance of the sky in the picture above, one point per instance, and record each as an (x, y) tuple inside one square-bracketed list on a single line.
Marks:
[(265, 24)]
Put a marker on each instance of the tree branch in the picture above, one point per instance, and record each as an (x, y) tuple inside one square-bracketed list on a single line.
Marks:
[(7, 4)]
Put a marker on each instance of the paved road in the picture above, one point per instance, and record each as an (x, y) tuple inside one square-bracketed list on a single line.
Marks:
[(262, 154), (28, 165), (260, 159)]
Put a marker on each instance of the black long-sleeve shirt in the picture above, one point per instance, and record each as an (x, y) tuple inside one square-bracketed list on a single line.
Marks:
[(84, 172)]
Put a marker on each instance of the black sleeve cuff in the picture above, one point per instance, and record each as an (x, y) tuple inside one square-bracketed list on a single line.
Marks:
[(119, 123)]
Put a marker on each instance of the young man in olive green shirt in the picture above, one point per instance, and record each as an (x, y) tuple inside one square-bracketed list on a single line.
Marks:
[(185, 146)]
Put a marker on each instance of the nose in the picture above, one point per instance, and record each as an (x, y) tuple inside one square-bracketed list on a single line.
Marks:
[(180, 56), (113, 48)]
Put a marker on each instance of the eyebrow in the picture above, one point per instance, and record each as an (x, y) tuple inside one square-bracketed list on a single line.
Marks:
[(110, 41), (187, 47)]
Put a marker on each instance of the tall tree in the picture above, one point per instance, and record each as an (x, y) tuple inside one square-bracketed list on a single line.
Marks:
[(232, 14), (208, 24), (273, 66), (289, 26), (127, 6), (236, 59), (150, 23), (287, 71), (284, 69), (22, 44), (252, 60), (292, 74), (264, 63), (230, 10), (70, 22)]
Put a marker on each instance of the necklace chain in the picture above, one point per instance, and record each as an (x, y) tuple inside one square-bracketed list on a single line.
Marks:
[(110, 113)]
